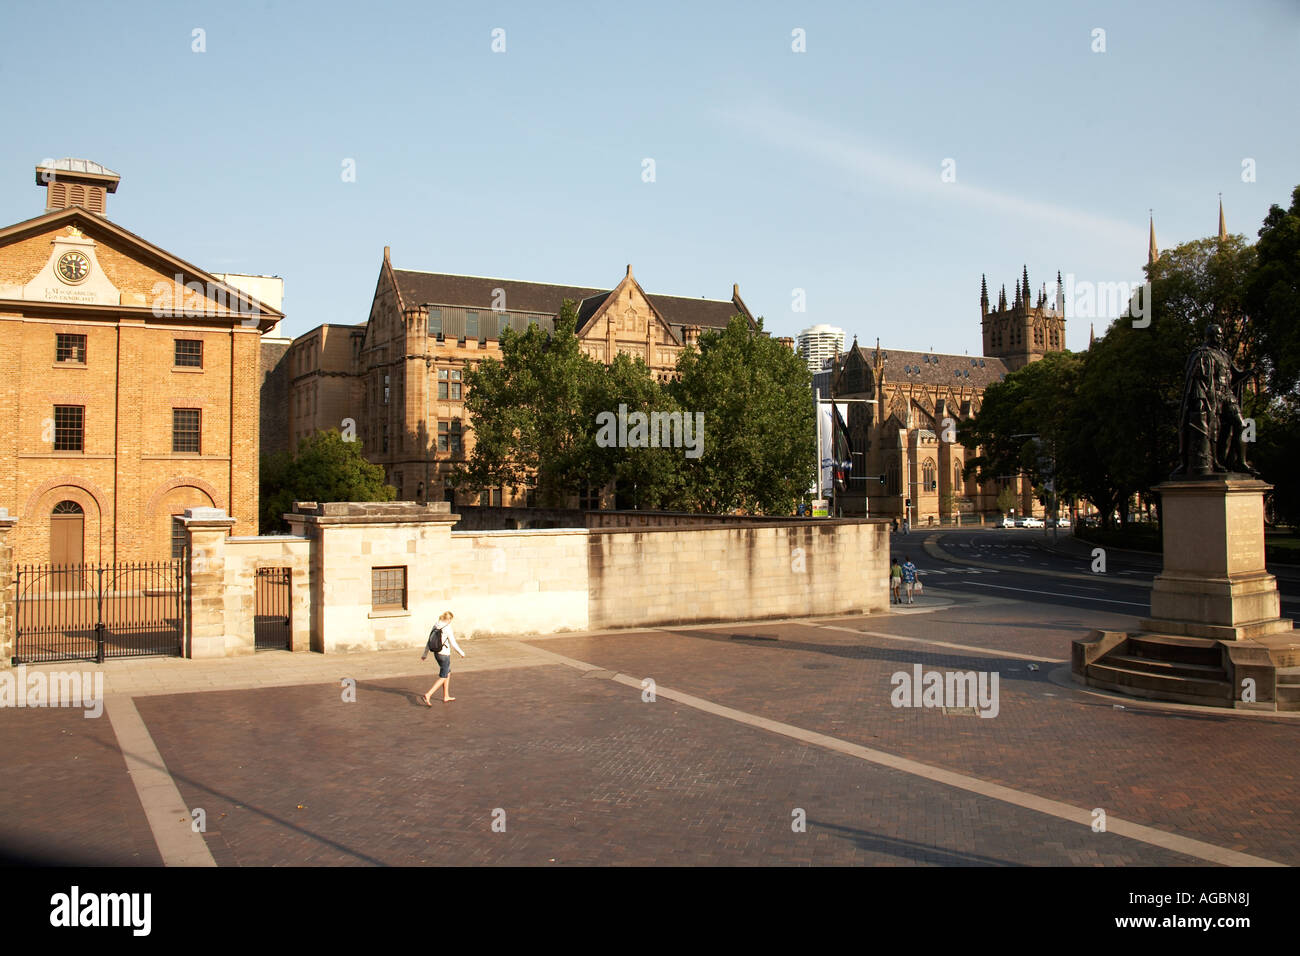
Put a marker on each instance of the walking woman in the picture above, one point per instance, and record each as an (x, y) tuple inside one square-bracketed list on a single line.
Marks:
[(443, 654)]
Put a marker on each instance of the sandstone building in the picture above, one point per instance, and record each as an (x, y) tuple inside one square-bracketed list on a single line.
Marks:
[(130, 382), (902, 436), (396, 381)]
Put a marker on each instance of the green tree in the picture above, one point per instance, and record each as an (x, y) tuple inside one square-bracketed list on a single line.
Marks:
[(1026, 425), (650, 477), (1008, 500), (759, 442), (1273, 295), (325, 468), (532, 414)]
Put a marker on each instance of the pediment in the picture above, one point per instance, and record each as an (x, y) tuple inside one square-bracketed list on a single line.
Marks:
[(71, 257)]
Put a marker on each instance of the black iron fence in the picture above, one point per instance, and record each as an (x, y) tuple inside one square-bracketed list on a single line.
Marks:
[(271, 613), (94, 612)]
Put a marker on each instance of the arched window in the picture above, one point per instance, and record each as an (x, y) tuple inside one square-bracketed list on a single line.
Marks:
[(893, 484), (927, 475), (957, 483)]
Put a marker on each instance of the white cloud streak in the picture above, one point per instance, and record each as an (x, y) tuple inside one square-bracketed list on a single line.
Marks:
[(867, 166)]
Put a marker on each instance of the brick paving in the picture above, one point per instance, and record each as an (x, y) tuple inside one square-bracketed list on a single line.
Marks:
[(65, 796), (587, 772), (1228, 780)]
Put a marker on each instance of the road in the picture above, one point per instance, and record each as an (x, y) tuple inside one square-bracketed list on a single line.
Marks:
[(1023, 563)]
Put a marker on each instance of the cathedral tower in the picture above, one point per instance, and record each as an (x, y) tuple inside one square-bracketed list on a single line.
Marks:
[(1023, 331)]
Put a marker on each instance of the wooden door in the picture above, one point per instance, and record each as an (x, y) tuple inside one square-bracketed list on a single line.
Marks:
[(67, 542)]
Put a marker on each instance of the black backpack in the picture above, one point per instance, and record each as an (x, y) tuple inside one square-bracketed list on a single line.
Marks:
[(435, 640)]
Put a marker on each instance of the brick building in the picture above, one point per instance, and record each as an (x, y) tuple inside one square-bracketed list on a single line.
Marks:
[(398, 378), (130, 382)]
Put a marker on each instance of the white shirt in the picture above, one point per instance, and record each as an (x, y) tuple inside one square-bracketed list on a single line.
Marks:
[(449, 640)]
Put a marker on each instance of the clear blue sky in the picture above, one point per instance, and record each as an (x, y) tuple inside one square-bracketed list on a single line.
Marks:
[(774, 169)]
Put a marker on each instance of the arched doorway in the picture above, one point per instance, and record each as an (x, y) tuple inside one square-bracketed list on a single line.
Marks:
[(67, 533), (67, 544)]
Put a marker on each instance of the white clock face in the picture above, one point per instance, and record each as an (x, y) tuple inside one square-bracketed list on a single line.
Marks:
[(73, 267)]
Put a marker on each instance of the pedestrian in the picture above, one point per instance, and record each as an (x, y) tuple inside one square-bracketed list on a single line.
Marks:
[(909, 577), (906, 525), (895, 581), (441, 642)]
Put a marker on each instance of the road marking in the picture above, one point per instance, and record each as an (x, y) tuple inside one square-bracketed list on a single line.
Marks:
[(960, 781), (168, 817), (1081, 597), (960, 647)]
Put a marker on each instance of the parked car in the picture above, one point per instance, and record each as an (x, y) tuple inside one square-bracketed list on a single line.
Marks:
[(1062, 522), (1032, 522), (1006, 522)]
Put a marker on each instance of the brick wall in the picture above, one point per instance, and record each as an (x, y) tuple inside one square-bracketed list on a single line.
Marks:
[(127, 480)]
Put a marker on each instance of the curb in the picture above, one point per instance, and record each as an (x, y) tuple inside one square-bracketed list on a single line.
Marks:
[(933, 549), (1062, 677)]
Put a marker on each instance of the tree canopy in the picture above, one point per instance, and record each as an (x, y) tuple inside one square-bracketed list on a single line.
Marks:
[(326, 468), (541, 416)]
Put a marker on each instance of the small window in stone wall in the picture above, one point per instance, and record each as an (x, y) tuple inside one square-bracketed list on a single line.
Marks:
[(388, 589)]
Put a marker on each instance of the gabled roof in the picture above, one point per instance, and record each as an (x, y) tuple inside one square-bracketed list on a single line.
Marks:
[(147, 250), (479, 292)]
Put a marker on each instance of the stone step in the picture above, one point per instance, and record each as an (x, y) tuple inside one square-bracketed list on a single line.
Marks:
[(1190, 689), (1168, 668), (1182, 650), (1288, 695)]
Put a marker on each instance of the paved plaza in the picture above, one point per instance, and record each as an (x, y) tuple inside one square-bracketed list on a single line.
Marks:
[(774, 743)]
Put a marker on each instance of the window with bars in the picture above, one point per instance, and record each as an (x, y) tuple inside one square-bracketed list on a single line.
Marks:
[(189, 353), (185, 431), (70, 349), (388, 589), (69, 427)]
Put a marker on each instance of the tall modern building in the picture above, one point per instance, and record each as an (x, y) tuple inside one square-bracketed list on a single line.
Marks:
[(819, 343)]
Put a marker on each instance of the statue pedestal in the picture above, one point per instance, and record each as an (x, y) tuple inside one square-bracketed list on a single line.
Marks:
[(1214, 584), (1215, 636)]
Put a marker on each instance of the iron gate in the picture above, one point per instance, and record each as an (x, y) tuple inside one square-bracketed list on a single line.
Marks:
[(271, 609), (94, 612)]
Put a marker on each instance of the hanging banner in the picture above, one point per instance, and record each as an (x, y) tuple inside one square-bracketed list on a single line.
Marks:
[(826, 442)]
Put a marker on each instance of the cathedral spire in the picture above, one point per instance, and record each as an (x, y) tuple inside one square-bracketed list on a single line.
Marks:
[(1024, 295), (1060, 293), (1002, 299), (984, 294), (1018, 300), (1092, 334), (1223, 229), (1152, 252)]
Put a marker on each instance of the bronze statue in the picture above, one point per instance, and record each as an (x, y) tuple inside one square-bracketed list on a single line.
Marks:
[(1211, 429)]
